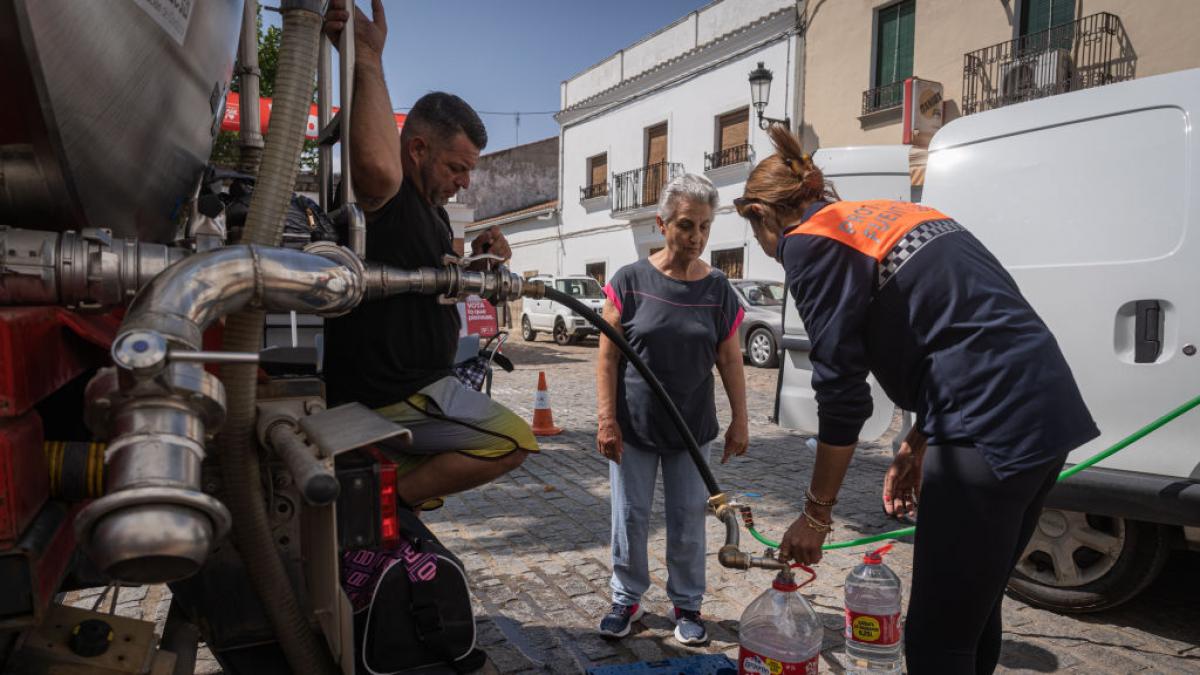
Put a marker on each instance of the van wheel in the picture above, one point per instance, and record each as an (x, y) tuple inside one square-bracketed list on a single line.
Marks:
[(760, 346), (528, 334), (1081, 562), (562, 336)]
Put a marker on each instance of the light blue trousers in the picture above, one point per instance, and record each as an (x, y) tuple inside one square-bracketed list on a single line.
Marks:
[(685, 500)]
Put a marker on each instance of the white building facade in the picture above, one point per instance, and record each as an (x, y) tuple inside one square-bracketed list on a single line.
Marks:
[(677, 101)]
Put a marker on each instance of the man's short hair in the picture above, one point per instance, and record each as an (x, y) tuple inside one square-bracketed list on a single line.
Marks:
[(442, 115)]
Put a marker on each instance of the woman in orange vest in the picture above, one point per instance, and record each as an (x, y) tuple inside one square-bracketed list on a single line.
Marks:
[(904, 292)]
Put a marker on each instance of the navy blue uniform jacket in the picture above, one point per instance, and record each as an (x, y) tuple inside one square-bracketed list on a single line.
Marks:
[(903, 292)]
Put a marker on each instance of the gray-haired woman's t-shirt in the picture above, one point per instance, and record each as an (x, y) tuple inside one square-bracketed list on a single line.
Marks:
[(675, 327)]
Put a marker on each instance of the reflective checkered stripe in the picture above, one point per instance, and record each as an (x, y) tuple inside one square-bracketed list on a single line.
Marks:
[(910, 243)]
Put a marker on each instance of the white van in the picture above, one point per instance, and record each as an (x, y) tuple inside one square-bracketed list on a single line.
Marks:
[(1092, 201), (563, 324)]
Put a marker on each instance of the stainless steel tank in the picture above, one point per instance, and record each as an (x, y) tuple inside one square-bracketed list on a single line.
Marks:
[(110, 109)]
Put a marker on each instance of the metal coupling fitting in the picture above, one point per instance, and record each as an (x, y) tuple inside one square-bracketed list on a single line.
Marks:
[(154, 524), (88, 269), (533, 289), (733, 558)]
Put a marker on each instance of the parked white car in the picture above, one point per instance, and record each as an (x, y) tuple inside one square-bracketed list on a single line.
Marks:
[(561, 322), (1090, 200)]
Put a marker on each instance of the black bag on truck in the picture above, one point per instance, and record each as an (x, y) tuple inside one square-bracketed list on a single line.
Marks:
[(412, 606)]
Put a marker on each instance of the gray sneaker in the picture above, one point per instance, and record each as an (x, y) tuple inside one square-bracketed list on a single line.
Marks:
[(689, 627), (616, 623)]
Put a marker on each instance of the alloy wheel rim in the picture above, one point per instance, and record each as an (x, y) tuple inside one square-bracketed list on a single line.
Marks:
[(760, 348), (1067, 550)]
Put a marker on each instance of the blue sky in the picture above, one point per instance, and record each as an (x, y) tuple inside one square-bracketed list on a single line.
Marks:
[(508, 55)]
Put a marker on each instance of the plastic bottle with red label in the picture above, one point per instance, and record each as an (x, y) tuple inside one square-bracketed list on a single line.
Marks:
[(780, 634), (873, 643)]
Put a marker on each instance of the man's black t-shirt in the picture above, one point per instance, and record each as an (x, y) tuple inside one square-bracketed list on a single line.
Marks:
[(386, 350)]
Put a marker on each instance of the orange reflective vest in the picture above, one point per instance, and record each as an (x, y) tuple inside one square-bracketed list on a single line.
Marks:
[(871, 227)]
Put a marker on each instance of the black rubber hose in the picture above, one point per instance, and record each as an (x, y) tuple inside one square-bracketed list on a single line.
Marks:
[(686, 434)]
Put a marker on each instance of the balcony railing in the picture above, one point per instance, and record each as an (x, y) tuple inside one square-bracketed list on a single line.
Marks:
[(729, 156), (882, 98), (593, 191), (1088, 52), (642, 187)]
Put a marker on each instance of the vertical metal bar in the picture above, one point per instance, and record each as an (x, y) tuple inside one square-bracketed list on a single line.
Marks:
[(358, 235), (251, 145), (324, 114)]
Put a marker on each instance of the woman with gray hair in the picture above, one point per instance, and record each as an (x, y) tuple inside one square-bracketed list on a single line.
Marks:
[(681, 317)]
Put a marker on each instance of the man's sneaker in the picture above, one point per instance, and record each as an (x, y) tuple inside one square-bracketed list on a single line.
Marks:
[(689, 627), (616, 622)]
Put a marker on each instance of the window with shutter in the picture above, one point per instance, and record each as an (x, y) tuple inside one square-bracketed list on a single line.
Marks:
[(596, 271), (733, 138), (729, 261), (656, 173), (597, 176), (656, 144), (735, 129), (895, 26), (1039, 16)]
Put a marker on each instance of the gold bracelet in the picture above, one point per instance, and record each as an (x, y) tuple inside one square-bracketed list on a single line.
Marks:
[(813, 523), (808, 494)]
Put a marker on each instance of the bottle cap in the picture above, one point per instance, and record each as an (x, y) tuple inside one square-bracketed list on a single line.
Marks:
[(786, 581), (876, 557)]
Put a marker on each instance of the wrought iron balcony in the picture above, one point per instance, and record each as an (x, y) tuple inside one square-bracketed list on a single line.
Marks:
[(642, 187), (882, 98), (593, 191), (729, 156), (1088, 52)]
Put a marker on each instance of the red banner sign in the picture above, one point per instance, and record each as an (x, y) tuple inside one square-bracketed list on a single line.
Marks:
[(232, 120)]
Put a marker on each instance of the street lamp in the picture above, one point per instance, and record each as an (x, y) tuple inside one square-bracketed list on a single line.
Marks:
[(760, 94)]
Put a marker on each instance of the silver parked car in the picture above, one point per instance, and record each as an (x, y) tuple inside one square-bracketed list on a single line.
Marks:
[(762, 328)]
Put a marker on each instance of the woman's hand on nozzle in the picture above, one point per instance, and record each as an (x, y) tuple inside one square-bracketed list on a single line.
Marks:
[(802, 543)]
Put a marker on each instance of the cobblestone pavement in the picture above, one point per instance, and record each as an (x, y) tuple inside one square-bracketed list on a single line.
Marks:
[(536, 548)]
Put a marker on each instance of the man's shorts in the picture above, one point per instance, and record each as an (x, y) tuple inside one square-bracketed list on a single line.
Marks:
[(448, 417)]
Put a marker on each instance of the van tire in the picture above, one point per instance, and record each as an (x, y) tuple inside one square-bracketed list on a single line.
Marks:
[(528, 334), (562, 336), (1136, 552)]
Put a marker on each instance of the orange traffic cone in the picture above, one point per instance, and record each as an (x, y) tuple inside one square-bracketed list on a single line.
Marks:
[(543, 419)]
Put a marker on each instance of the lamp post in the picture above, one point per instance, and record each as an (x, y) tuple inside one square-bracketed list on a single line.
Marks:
[(760, 94)]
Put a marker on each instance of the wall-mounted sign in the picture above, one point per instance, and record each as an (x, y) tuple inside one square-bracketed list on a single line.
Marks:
[(923, 113)]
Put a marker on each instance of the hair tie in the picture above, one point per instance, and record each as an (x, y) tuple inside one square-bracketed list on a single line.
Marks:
[(797, 168)]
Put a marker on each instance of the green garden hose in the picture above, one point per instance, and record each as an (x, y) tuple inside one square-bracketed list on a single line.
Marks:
[(1067, 473)]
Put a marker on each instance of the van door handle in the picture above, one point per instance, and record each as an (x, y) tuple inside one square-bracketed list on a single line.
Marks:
[(1147, 342)]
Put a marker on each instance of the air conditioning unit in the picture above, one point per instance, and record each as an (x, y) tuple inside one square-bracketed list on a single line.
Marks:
[(1036, 75)]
